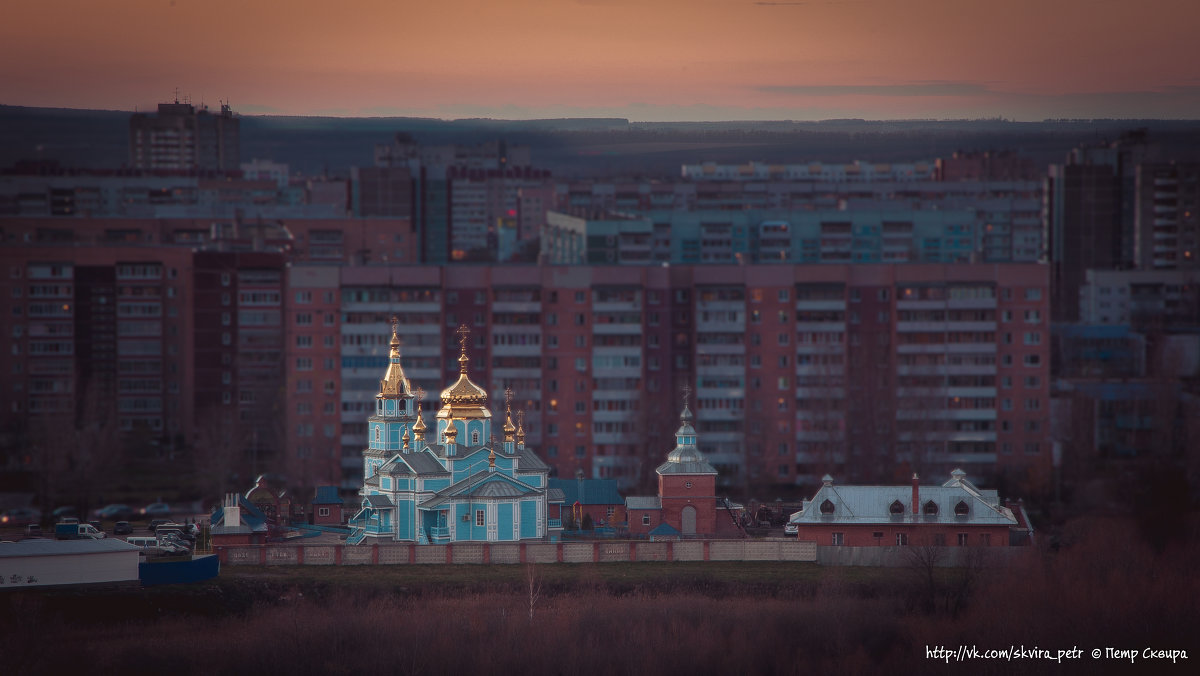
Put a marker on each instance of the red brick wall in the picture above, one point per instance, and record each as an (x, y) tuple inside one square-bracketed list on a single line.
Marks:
[(864, 535)]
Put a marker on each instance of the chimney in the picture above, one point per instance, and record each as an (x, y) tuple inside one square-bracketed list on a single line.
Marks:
[(916, 496), (233, 511)]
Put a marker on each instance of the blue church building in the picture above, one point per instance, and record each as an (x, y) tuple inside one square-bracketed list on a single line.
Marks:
[(454, 483)]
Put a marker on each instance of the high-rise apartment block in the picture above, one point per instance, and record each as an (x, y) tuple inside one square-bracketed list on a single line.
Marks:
[(949, 363), (1167, 219), (181, 138)]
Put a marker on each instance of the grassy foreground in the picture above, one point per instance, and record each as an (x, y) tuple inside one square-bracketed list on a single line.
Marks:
[(627, 618)]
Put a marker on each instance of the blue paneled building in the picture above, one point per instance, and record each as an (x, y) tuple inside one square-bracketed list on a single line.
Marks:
[(460, 485)]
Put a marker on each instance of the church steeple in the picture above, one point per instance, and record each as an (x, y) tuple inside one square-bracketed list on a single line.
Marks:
[(419, 426), (509, 429), (394, 384), (686, 434), (686, 457)]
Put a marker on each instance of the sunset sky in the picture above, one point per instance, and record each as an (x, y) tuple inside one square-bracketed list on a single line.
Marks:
[(646, 60)]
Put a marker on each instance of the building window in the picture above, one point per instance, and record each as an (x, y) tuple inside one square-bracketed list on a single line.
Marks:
[(474, 438), (901, 539), (827, 507), (645, 519), (931, 508), (479, 517), (961, 509), (896, 507), (838, 539), (962, 539), (322, 511)]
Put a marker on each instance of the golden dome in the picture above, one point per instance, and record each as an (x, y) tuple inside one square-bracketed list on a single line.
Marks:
[(464, 399)]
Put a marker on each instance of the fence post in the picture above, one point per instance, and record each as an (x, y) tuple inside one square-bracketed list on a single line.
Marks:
[(706, 550), (375, 553), (450, 553), (300, 555), (670, 550), (262, 555), (632, 550), (558, 553), (522, 552), (487, 553), (595, 551)]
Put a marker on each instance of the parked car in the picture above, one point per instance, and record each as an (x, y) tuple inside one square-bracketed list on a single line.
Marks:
[(115, 512), (122, 528), (791, 528), (156, 510), (182, 532), (172, 543), (33, 529), (21, 516), (154, 524)]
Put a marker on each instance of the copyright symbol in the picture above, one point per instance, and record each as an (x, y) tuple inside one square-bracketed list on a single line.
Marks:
[(1096, 653)]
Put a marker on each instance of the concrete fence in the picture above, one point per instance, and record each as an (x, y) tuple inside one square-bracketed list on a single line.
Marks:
[(600, 551)]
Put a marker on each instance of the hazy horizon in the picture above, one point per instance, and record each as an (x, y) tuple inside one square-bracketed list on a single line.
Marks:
[(671, 61)]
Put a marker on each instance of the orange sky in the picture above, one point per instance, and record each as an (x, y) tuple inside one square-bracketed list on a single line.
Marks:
[(639, 59)]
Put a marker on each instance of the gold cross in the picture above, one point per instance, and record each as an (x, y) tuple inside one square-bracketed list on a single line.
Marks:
[(687, 391), (463, 332), (395, 322), (508, 395)]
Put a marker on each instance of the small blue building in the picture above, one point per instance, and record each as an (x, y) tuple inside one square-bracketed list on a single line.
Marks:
[(458, 486)]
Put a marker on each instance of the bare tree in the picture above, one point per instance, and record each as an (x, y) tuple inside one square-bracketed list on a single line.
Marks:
[(534, 579)]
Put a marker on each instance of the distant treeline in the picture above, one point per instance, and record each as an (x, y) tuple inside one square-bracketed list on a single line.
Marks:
[(591, 146)]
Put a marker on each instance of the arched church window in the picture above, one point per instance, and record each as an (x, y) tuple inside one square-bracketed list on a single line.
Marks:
[(961, 509), (827, 507), (931, 508), (474, 438), (896, 507), (377, 434)]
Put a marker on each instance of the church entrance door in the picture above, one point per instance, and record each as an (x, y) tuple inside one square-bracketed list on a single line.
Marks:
[(689, 520)]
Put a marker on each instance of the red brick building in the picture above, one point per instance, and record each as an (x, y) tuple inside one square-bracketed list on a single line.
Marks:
[(687, 490), (954, 513)]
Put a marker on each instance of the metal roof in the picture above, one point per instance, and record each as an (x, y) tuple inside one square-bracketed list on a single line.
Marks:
[(528, 461), (481, 485), (64, 547), (395, 466), (873, 504), (643, 502), (424, 463), (379, 501), (554, 495), (686, 467), (327, 495), (664, 528)]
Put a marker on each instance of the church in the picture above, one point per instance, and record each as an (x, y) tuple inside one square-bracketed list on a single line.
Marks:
[(457, 485)]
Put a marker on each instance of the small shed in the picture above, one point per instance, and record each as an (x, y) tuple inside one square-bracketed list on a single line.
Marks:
[(43, 563), (328, 507)]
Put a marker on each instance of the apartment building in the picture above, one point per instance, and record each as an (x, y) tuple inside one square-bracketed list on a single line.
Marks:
[(798, 371), (1000, 231), (182, 137), (106, 329), (1167, 218)]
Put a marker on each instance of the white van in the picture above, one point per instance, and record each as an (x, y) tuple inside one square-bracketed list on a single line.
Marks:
[(145, 542)]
